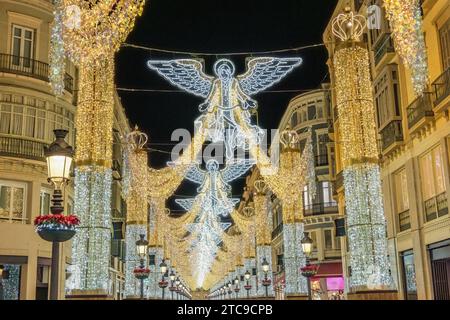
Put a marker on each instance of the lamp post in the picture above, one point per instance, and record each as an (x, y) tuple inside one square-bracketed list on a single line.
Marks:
[(163, 282), (236, 288), (247, 286), (266, 282), (229, 285), (59, 156), (177, 285), (172, 279), (307, 245), (141, 250)]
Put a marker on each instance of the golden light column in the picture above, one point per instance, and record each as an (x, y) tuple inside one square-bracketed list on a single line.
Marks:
[(358, 137), (134, 191), (92, 32)]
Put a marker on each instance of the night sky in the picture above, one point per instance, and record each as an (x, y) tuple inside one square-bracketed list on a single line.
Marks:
[(216, 26)]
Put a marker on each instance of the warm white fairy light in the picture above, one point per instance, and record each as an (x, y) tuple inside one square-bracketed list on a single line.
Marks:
[(405, 19), (367, 242), (57, 59)]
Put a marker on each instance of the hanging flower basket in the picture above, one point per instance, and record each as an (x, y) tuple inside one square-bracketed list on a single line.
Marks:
[(56, 227), (248, 287), (309, 270), (172, 288), (141, 273), (266, 282), (237, 289), (163, 284)]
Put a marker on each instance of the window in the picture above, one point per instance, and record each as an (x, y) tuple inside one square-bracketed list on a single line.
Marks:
[(327, 191), (294, 120), (402, 200), (433, 186), (22, 46), (12, 201), (328, 239), (45, 201), (5, 118), (409, 275), (444, 37), (313, 237), (387, 95), (312, 115), (307, 198)]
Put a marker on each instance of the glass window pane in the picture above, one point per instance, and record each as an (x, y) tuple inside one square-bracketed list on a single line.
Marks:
[(5, 121), (5, 201), (17, 32), (439, 170), (17, 205), (328, 239), (427, 176)]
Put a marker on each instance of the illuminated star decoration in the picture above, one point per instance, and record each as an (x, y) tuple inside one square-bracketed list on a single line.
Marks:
[(225, 93)]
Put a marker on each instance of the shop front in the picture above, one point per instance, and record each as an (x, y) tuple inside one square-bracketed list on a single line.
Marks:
[(328, 283)]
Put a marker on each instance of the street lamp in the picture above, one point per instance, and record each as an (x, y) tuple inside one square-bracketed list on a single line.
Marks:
[(229, 285), (141, 251), (236, 288), (308, 271), (247, 286), (163, 283), (59, 155), (266, 281), (172, 279), (177, 284)]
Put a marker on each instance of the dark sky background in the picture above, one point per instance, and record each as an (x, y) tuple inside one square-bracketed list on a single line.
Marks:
[(216, 26)]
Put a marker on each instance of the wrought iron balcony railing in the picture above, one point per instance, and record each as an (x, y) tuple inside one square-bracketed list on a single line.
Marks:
[(383, 46), (404, 221), (419, 109), (30, 68), (436, 207), (22, 148), (441, 87), (278, 230), (320, 208), (391, 133)]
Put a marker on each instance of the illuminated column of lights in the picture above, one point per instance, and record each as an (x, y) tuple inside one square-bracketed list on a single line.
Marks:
[(57, 59), (91, 32), (366, 223), (154, 291), (91, 244), (263, 236), (93, 176), (157, 212), (405, 20), (132, 260), (134, 191), (249, 264)]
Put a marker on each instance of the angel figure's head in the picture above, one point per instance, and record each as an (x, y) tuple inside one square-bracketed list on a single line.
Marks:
[(224, 69), (212, 165)]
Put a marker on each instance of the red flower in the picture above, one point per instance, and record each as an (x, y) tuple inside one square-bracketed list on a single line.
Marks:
[(141, 270), (68, 221)]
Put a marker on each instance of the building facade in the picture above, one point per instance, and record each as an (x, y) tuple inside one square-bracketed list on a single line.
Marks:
[(414, 136), (29, 113)]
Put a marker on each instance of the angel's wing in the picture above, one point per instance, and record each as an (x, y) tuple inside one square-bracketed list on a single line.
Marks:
[(195, 174), (236, 168), (186, 204), (262, 73), (186, 74)]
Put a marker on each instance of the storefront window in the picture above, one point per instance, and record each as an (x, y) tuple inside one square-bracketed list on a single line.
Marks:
[(12, 201)]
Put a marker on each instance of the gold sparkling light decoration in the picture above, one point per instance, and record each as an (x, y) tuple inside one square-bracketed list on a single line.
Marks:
[(357, 134), (405, 19)]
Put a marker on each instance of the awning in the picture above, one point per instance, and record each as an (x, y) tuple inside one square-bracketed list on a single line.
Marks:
[(329, 269)]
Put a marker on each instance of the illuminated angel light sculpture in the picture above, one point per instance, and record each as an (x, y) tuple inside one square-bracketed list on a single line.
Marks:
[(226, 92), (214, 187)]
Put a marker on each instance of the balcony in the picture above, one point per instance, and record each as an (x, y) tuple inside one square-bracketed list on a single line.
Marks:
[(419, 112), (441, 90), (436, 207), (30, 68), (22, 148), (277, 231), (315, 209), (321, 160), (382, 47), (391, 134), (404, 221), (339, 181)]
